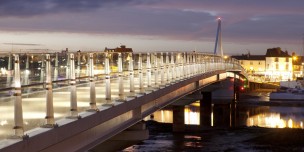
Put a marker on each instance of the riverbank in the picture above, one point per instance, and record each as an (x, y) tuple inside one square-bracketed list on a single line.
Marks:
[(261, 97)]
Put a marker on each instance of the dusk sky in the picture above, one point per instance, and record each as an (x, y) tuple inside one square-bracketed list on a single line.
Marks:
[(151, 25)]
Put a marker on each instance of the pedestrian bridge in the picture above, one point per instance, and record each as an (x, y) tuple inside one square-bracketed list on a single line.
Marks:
[(74, 101)]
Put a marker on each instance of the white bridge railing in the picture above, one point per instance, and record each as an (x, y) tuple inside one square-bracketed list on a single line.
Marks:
[(39, 89)]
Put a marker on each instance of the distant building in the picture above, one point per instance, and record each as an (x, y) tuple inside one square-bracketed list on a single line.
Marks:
[(254, 64), (297, 65), (278, 65), (122, 49)]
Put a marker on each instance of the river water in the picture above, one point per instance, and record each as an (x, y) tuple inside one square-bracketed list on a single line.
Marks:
[(253, 114)]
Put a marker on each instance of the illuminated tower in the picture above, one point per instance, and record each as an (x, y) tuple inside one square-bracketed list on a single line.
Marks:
[(218, 40)]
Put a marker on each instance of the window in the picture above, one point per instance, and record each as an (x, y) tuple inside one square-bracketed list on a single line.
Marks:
[(276, 60), (287, 59)]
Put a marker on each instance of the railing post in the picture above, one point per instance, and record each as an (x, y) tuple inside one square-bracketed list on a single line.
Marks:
[(140, 72), (9, 70), (184, 73), (167, 68), (73, 95), (88, 64), (131, 73), (56, 67), (149, 69), (18, 113), (108, 81), (162, 72), (78, 63), (42, 70), (56, 59), (93, 106), (9, 64), (27, 70), (50, 122), (155, 70), (179, 68), (120, 78), (202, 63), (189, 63), (173, 67), (67, 70), (27, 62), (194, 64)]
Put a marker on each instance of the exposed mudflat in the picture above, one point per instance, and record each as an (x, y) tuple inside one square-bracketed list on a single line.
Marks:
[(240, 139)]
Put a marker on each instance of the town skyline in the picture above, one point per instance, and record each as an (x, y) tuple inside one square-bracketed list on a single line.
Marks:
[(151, 26)]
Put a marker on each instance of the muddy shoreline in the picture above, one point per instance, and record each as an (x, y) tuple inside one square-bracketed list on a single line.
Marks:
[(221, 139)]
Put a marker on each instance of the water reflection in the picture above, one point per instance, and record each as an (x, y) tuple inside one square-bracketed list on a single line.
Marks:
[(278, 117), (221, 115)]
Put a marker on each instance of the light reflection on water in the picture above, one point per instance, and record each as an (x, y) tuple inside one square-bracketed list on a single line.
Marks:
[(278, 117), (262, 116), (192, 115)]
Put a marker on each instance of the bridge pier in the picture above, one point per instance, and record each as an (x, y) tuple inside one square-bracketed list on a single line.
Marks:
[(205, 109), (221, 115), (178, 119)]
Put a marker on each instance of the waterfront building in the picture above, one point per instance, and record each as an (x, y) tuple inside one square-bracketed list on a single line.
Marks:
[(122, 49), (278, 65), (254, 64), (297, 65)]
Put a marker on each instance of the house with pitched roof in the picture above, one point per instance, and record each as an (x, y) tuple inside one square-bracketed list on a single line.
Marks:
[(278, 65), (254, 64)]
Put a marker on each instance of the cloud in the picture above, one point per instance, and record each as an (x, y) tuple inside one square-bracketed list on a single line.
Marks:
[(24, 44), (21, 8), (243, 22)]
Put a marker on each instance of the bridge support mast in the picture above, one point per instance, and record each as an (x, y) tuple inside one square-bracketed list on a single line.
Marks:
[(218, 40)]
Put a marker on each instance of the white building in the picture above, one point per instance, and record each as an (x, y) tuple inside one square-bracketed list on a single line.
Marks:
[(278, 65)]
